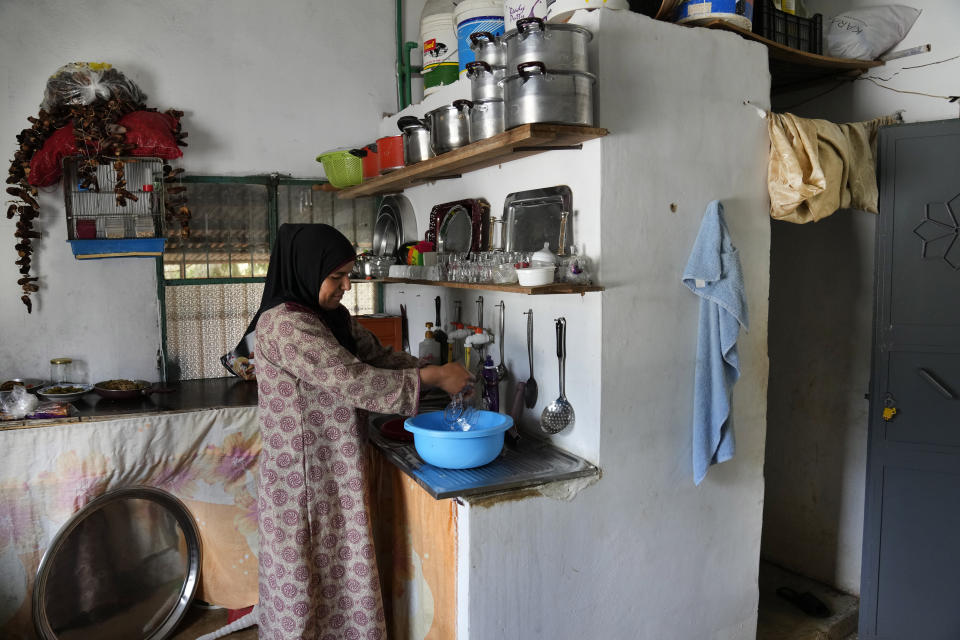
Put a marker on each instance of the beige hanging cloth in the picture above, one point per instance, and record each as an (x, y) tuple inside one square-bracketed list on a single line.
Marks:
[(817, 167)]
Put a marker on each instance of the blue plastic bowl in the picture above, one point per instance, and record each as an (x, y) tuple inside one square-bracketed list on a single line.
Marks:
[(442, 447)]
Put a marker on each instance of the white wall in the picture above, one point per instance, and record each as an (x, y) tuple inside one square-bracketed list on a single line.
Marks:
[(265, 87), (643, 553), (820, 336)]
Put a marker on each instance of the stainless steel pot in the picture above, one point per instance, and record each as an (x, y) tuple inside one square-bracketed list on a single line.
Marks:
[(561, 47), (416, 140), (488, 48), (485, 81), (536, 94), (486, 119), (449, 126)]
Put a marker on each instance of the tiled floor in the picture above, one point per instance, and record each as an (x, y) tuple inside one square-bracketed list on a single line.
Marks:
[(780, 620)]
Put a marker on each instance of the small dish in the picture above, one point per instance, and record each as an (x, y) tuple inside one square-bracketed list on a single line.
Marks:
[(31, 384), (64, 392)]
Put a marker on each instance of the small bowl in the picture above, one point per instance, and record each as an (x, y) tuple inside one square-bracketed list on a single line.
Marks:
[(46, 392), (535, 276), (442, 447)]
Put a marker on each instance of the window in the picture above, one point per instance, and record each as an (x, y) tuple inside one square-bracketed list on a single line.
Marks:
[(211, 281)]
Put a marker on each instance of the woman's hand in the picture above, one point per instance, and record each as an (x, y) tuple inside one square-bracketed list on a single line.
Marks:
[(451, 377)]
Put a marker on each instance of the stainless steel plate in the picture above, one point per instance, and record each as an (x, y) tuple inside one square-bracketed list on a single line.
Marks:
[(396, 223), (125, 566), (456, 231), (533, 217)]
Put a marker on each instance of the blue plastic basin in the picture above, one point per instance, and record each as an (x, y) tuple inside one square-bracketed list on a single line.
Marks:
[(442, 447)]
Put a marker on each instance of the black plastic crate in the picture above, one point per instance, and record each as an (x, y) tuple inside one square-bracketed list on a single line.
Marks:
[(803, 34)]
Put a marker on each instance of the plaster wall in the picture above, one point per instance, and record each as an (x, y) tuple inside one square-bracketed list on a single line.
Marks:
[(643, 553), (821, 310), (265, 87)]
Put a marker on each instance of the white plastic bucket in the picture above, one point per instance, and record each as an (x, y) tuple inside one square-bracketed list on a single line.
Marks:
[(736, 13), (476, 15), (514, 10), (438, 44)]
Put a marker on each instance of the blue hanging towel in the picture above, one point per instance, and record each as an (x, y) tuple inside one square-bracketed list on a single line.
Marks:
[(713, 272)]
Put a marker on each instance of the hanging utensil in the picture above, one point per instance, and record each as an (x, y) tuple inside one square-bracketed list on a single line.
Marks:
[(559, 414), (502, 372), (530, 390), (480, 311), (513, 433), (404, 331)]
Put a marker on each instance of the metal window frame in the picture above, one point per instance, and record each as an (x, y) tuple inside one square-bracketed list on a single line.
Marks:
[(272, 181)]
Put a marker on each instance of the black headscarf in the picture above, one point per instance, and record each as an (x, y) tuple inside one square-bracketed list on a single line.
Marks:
[(304, 255)]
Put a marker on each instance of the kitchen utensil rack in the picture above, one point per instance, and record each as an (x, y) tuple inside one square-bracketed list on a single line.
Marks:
[(519, 142)]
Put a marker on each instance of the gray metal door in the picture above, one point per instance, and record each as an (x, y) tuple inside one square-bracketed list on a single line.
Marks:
[(910, 582)]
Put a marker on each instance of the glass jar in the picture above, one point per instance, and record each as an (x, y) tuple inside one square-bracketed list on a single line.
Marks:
[(61, 370)]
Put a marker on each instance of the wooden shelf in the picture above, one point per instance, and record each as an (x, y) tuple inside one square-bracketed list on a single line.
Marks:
[(547, 289), (791, 67), (519, 142)]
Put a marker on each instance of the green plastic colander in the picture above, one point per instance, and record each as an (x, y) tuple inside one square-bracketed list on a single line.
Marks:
[(343, 168)]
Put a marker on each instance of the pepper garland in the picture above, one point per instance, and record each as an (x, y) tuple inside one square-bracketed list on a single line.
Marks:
[(101, 140)]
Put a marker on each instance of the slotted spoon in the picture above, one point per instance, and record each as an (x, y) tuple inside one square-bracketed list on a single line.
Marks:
[(559, 414)]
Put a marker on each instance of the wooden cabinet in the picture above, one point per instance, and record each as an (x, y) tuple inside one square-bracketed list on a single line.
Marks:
[(388, 329)]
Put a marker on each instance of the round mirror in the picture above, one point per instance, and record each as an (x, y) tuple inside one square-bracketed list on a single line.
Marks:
[(125, 567), (456, 231)]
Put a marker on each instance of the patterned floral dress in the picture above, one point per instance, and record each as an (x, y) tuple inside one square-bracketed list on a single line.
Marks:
[(317, 573)]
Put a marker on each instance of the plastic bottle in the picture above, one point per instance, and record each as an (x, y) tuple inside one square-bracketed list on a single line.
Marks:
[(491, 388), (457, 339), (429, 348), (438, 44)]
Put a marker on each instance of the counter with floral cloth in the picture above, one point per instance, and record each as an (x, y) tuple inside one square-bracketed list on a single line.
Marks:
[(206, 458)]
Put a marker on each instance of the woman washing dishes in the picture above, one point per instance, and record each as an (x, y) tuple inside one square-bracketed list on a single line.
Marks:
[(316, 367)]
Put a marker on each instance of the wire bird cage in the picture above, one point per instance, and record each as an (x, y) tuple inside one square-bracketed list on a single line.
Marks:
[(99, 215)]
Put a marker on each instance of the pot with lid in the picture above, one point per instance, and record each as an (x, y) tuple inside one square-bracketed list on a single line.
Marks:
[(449, 126), (488, 48), (561, 47), (485, 81), (538, 94), (486, 119), (416, 140)]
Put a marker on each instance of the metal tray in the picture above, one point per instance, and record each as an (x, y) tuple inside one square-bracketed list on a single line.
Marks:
[(134, 553), (479, 214), (533, 217)]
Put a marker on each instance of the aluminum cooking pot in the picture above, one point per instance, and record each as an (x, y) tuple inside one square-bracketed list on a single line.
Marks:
[(416, 140), (485, 81), (488, 48), (536, 94), (449, 126), (561, 47), (486, 119)]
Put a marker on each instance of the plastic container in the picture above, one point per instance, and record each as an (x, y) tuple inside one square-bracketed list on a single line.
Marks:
[(438, 44), (429, 351), (455, 448), (390, 149), (343, 168), (802, 34), (491, 384), (472, 16), (736, 12), (535, 276), (514, 10)]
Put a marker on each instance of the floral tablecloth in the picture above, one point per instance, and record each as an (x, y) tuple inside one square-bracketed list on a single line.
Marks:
[(208, 459)]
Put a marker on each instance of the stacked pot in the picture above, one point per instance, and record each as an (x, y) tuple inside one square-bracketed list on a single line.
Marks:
[(486, 74), (549, 77)]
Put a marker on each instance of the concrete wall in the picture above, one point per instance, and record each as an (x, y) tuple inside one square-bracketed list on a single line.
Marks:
[(821, 309), (265, 87), (643, 553)]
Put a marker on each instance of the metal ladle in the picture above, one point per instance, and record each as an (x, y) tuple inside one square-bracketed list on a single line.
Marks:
[(502, 372), (530, 389), (559, 414)]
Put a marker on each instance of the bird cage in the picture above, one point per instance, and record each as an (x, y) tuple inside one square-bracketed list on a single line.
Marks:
[(104, 223)]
